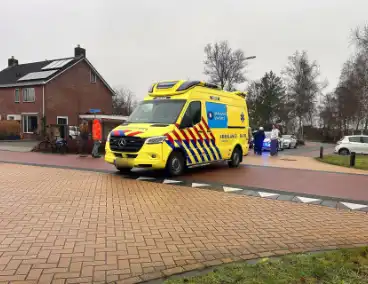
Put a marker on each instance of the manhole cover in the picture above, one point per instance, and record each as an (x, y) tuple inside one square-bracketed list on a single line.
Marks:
[(289, 160)]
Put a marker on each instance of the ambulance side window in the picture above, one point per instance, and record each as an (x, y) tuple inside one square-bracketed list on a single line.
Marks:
[(192, 115)]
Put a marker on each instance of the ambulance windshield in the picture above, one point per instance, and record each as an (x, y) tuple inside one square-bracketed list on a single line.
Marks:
[(157, 111)]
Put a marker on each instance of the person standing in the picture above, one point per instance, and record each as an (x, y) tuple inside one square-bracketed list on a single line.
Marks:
[(275, 133), (255, 142), (258, 141), (97, 137), (84, 133)]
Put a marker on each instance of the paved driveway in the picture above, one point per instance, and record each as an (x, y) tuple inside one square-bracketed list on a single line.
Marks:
[(84, 227), (18, 146)]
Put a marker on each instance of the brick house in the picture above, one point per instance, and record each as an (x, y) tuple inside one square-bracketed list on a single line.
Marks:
[(57, 90)]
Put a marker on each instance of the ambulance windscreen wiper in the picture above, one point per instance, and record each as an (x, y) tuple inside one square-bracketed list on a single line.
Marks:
[(159, 125)]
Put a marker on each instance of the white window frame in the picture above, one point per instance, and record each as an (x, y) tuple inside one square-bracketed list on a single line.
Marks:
[(15, 117), (62, 117), (15, 95), (24, 124), (26, 92), (93, 77)]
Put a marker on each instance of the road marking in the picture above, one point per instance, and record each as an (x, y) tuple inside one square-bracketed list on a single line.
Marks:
[(146, 178), (354, 206), (267, 194), (199, 184), (169, 181), (307, 199), (231, 189)]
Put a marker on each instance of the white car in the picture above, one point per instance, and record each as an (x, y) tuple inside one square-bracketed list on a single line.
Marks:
[(354, 143), (289, 141)]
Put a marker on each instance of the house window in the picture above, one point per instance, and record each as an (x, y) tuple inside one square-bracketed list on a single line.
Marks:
[(62, 120), (29, 95), (93, 77), (30, 123), (17, 96)]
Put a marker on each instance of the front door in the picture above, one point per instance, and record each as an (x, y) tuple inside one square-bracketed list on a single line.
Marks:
[(62, 122)]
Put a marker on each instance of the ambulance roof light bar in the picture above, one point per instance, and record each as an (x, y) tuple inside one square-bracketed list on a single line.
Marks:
[(241, 94), (190, 84), (183, 87), (150, 90), (187, 85)]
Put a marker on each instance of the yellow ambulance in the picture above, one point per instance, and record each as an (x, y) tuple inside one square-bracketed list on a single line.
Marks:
[(179, 125)]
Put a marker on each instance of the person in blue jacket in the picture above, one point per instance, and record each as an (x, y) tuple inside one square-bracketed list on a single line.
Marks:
[(258, 141)]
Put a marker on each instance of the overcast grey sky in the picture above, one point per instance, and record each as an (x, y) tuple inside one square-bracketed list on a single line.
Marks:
[(134, 43)]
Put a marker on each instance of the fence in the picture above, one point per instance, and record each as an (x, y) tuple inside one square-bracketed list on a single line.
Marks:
[(9, 130)]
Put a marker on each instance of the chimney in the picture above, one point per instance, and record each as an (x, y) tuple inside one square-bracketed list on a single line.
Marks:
[(12, 62), (79, 52)]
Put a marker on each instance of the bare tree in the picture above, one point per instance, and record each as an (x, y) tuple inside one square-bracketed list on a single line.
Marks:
[(329, 115), (303, 87), (224, 66), (123, 102), (361, 71), (360, 38)]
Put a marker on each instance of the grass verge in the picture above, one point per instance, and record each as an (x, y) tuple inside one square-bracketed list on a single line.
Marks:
[(361, 161), (335, 267)]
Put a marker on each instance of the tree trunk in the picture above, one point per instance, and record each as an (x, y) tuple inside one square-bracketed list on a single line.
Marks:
[(357, 126), (366, 124), (301, 128)]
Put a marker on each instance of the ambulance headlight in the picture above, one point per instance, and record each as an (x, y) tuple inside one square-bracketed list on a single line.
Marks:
[(156, 140)]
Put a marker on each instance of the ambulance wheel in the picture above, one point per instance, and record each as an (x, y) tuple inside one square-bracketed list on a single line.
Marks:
[(176, 164), (235, 158)]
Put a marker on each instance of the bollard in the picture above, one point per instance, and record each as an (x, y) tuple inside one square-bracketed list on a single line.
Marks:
[(352, 159), (321, 152)]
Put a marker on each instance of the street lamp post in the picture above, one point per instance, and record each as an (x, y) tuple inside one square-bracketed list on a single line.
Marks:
[(250, 57)]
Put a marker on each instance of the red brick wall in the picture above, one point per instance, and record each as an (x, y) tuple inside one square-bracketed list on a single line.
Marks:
[(8, 106), (72, 93)]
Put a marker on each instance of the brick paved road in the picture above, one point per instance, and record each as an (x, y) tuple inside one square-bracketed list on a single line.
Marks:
[(61, 225)]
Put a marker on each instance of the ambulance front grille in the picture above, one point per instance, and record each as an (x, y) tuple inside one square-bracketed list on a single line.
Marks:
[(126, 143)]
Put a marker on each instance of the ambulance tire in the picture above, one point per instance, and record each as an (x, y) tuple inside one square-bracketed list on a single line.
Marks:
[(175, 165), (236, 158)]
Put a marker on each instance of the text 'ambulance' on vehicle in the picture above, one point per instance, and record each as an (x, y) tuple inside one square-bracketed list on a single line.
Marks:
[(182, 124)]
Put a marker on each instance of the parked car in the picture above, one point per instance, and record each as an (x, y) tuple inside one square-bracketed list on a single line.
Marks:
[(354, 143), (267, 142), (289, 141)]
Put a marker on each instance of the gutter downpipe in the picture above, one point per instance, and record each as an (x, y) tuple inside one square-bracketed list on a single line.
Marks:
[(43, 101)]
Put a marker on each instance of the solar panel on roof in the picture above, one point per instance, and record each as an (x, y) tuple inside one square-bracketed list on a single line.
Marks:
[(57, 64), (37, 75)]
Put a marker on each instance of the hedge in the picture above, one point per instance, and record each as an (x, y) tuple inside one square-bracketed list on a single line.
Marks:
[(9, 129)]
